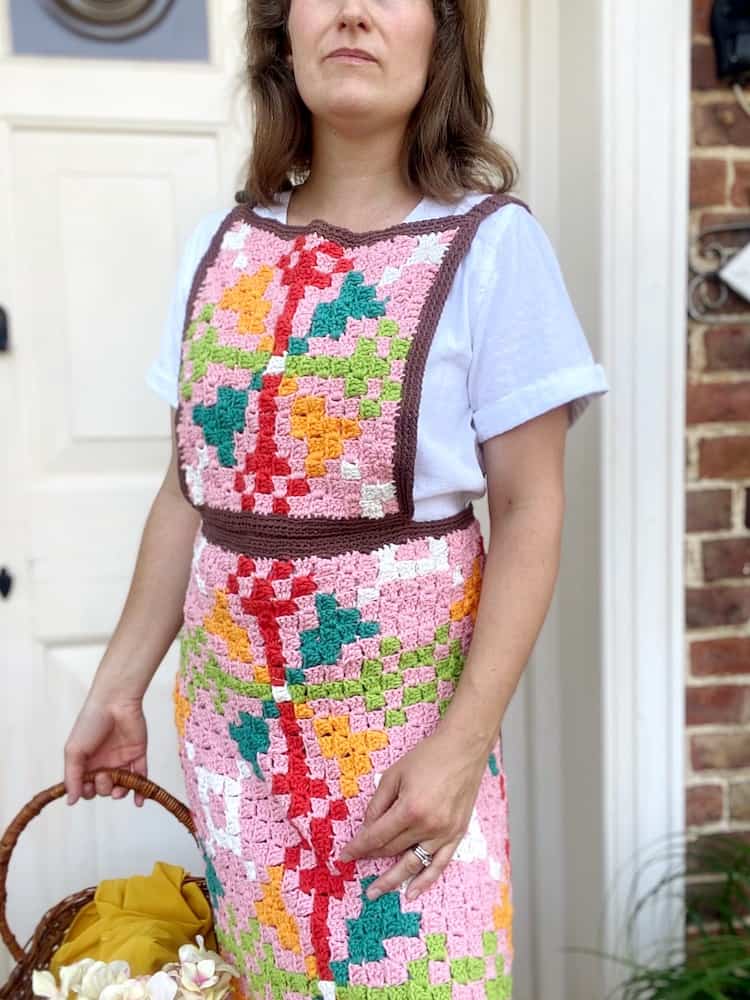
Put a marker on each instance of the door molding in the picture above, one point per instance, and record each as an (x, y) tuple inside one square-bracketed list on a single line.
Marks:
[(606, 169), (645, 108)]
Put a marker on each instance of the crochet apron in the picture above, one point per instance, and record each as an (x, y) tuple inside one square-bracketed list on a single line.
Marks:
[(324, 628)]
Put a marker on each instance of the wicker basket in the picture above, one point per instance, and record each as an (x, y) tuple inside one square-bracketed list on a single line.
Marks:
[(51, 928)]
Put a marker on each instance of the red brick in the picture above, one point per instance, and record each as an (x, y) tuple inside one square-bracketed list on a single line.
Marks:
[(720, 657), (708, 510), (726, 558), (740, 192), (739, 800), (728, 348), (724, 457), (703, 69), (702, 852), (706, 607), (721, 402), (708, 182), (702, 16), (707, 901), (720, 751), (717, 703), (720, 122), (704, 804)]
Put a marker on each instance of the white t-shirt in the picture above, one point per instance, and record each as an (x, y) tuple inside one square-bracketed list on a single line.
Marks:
[(508, 347)]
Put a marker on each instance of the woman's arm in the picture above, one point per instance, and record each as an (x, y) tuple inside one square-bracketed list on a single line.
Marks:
[(428, 795), (152, 613), (526, 499), (110, 730)]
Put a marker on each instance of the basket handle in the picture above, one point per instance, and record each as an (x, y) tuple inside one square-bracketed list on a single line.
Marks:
[(128, 779)]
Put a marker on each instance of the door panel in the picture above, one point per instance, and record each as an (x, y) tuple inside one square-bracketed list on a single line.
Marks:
[(103, 241), (104, 169)]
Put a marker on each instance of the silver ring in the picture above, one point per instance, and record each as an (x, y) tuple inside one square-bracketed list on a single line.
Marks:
[(424, 856)]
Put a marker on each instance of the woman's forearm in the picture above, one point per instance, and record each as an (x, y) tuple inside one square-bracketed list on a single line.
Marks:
[(152, 613), (517, 586)]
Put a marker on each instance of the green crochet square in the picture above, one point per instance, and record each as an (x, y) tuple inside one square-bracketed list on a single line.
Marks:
[(436, 947), (389, 644), (394, 717), (369, 408)]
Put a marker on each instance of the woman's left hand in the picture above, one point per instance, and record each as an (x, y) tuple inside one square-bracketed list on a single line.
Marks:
[(426, 797)]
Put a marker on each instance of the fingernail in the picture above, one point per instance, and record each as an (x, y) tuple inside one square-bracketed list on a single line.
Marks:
[(412, 893), (373, 893)]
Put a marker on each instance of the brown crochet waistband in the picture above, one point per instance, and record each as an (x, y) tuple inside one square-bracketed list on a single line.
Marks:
[(280, 537)]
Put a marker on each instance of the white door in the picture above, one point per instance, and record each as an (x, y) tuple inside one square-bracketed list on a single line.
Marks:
[(104, 167)]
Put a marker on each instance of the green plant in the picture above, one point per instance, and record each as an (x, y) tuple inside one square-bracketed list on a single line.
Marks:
[(709, 957)]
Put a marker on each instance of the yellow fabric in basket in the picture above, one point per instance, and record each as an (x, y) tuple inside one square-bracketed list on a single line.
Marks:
[(142, 920)]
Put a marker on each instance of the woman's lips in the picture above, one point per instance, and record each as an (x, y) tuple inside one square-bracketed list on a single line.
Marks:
[(358, 57)]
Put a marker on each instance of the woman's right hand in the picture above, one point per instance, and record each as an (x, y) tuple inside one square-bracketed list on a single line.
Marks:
[(110, 731)]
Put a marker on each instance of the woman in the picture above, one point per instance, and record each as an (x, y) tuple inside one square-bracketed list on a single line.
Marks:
[(352, 360)]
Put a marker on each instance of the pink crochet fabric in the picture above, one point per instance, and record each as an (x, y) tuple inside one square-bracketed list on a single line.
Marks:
[(324, 629)]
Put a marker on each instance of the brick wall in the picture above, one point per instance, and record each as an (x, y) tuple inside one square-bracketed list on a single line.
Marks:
[(718, 477)]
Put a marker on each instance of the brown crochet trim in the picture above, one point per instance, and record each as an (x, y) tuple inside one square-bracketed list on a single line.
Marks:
[(279, 537), (408, 415), (350, 237), (205, 262)]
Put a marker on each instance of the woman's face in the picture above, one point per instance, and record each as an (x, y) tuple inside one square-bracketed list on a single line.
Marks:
[(397, 34)]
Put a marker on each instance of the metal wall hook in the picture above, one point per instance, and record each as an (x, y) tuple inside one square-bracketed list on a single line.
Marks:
[(708, 293)]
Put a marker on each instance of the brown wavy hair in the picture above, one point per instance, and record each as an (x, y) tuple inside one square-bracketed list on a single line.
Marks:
[(447, 148)]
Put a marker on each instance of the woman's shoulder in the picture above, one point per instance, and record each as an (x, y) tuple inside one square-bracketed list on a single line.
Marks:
[(498, 211), (508, 226), (199, 237), (208, 223), (511, 247)]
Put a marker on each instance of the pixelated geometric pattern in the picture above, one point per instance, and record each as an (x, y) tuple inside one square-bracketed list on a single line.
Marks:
[(300, 682), (293, 366)]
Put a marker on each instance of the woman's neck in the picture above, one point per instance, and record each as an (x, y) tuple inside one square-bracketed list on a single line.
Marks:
[(372, 209), (355, 177)]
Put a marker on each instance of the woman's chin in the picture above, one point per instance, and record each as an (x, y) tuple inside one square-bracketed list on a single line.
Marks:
[(348, 101)]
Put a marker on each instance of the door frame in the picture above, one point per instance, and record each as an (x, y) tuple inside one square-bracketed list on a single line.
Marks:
[(606, 168), (645, 159)]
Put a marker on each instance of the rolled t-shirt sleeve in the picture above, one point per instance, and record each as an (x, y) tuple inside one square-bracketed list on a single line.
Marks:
[(529, 351)]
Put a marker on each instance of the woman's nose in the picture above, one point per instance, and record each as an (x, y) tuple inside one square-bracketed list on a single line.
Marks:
[(354, 12)]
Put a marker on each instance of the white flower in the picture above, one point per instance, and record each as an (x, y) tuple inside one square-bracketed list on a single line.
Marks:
[(44, 983), (159, 986), (189, 954), (218, 992), (200, 975), (131, 989), (99, 975)]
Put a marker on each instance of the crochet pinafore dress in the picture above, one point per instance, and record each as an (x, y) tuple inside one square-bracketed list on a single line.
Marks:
[(324, 628)]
